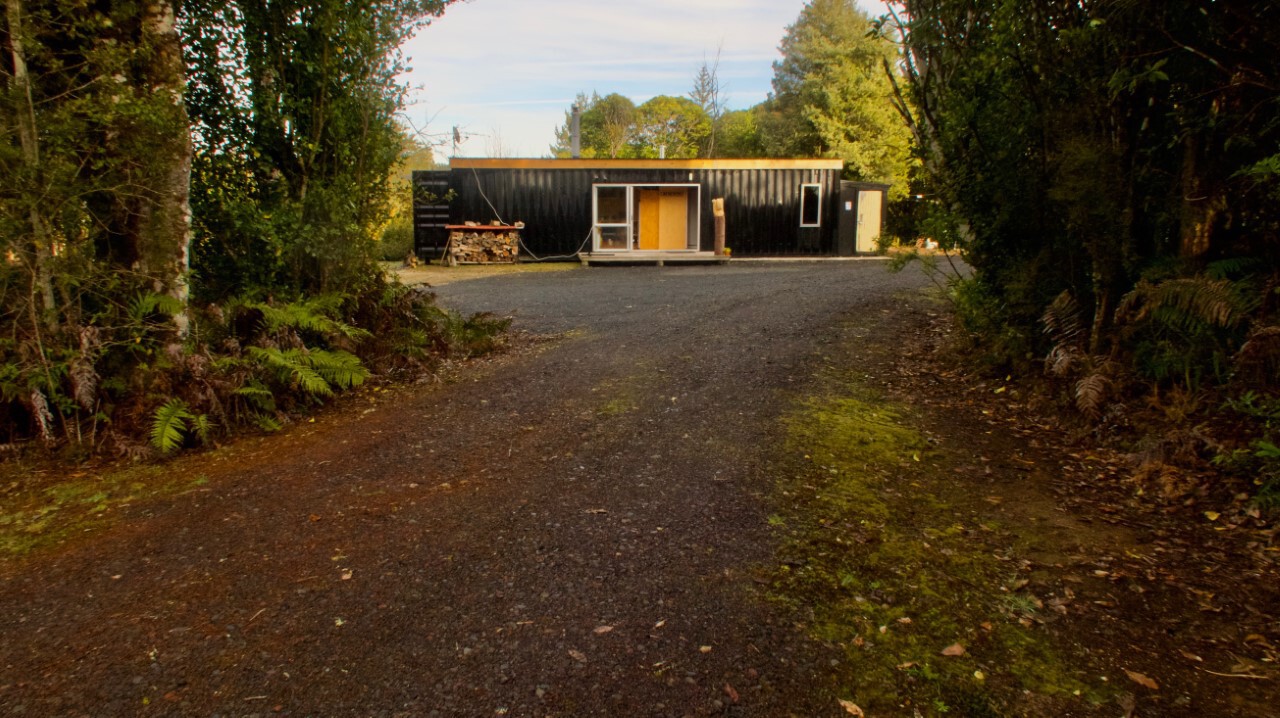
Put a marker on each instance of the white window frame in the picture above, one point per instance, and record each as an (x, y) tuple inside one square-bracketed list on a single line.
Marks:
[(818, 200)]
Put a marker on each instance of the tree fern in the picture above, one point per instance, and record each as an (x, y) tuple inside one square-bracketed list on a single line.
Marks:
[(169, 424)]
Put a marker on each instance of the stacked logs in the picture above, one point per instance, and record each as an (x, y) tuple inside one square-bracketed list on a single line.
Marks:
[(482, 244)]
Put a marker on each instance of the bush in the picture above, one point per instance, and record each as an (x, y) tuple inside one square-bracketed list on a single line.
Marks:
[(396, 241)]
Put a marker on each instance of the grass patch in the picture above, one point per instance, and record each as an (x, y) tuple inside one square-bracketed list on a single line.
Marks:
[(881, 557)]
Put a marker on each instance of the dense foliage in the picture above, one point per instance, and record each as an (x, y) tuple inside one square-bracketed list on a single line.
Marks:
[(1111, 171), (255, 137)]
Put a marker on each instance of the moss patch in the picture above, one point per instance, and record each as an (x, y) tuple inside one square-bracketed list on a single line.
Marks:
[(882, 557), (44, 510)]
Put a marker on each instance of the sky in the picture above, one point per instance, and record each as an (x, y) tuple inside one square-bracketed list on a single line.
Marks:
[(505, 71)]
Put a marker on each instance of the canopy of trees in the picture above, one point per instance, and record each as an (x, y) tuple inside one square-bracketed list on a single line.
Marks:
[(1113, 169), (251, 140)]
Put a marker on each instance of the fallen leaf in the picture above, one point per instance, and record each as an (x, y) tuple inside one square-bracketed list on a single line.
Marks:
[(1212, 515), (955, 649), (733, 695), (346, 575), (1142, 680), (908, 664), (852, 708), (904, 620), (705, 649), (601, 630), (980, 675), (578, 656)]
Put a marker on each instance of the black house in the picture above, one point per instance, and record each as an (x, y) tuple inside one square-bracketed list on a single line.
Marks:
[(630, 208)]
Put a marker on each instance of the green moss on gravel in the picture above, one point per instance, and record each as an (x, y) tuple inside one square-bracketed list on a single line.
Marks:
[(37, 513), (879, 561)]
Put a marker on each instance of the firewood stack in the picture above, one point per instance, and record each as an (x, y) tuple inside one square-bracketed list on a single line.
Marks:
[(483, 244)]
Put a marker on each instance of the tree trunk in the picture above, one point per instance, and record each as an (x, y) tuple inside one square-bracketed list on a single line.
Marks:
[(1201, 206), (28, 138), (164, 236)]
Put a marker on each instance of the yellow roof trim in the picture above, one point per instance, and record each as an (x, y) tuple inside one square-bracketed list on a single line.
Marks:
[(603, 164)]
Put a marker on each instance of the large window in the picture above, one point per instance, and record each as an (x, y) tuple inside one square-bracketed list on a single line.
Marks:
[(613, 218), (664, 217), (810, 205)]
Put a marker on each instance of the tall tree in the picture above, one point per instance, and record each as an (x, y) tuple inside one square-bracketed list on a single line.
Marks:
[(607, 125), (672, 127), (1092, 147), (708, 92), (831, 95), (296, 117)]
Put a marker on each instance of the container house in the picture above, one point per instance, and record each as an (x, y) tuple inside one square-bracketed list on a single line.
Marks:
[(638, 209)]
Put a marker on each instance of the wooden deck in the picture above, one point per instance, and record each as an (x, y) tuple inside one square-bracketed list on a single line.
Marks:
[(659, 258)]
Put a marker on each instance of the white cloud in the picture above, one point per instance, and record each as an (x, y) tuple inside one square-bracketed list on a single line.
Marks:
[(512, 67)]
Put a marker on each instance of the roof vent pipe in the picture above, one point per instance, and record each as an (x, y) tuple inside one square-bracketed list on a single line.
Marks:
[(576, 133)]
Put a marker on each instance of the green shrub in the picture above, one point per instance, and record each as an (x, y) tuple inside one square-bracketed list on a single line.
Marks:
[(397, 240)]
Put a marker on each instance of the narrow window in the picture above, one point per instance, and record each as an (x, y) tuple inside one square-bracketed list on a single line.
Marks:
[(810, 205)]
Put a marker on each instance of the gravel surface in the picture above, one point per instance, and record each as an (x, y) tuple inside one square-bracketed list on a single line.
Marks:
[(567, 531)]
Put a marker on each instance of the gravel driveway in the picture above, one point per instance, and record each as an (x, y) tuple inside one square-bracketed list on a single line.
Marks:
[(568, 531)]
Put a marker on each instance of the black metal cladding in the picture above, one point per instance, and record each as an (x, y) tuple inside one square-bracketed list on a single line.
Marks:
[(762, 206), (430, 213)]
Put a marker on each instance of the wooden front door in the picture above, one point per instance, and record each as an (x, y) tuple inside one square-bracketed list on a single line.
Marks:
[(650, 218), (673, 219), (663, 219)]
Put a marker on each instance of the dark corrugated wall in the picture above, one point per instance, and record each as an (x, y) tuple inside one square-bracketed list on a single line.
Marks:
[(762, 206)]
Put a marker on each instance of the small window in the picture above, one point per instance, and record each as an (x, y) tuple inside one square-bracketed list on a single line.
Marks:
[(810, 205)]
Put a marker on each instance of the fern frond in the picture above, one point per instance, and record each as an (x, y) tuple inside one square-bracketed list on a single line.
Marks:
[(1187, 303), (1091, 393), (151, 303), (169, 424), (267, 423), (1061, 321), (339, 368), (317, 315), (202, 427), (1232, 267), (291, 366)]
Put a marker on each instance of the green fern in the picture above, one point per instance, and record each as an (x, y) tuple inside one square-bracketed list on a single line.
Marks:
[(257, 395), (169, 424), (317, 315), (341, 369), (145, 305), (267, 423), (292, 367)]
